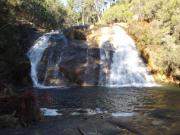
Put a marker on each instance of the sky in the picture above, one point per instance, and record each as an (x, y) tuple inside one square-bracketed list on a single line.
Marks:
[(64, 1)]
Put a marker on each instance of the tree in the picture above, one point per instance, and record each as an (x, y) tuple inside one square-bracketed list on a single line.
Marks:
[(84, 11), (91, 10), (73, 14)]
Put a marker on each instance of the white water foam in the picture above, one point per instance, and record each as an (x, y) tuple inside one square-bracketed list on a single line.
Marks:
[(88, 111), (122, 114), (50, 112)]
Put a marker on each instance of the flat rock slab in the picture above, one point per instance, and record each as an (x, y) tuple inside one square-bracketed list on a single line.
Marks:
[(96, 125)]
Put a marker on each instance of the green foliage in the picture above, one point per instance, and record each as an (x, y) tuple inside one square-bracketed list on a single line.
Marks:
[(162, 15), (118, 13), (146, 10), (44, 13)]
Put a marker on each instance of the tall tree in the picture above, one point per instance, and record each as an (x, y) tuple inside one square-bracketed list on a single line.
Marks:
[(88, 10), (73, 15)]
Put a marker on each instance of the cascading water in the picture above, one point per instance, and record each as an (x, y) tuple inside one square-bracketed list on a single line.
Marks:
[(35, 55), (127, 68)]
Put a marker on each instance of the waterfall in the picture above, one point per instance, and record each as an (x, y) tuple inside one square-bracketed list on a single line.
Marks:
[(35, 55), (127, 68), (119, 64)]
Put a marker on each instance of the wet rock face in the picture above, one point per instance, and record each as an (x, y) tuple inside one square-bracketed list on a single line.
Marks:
[(77, 63), (80, 65)]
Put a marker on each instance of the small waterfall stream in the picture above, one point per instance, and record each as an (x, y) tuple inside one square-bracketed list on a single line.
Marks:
[(35, 55)]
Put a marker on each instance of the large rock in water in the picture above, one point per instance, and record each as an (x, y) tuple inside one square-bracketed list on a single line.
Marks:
[(77, 63), (81, 65)]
